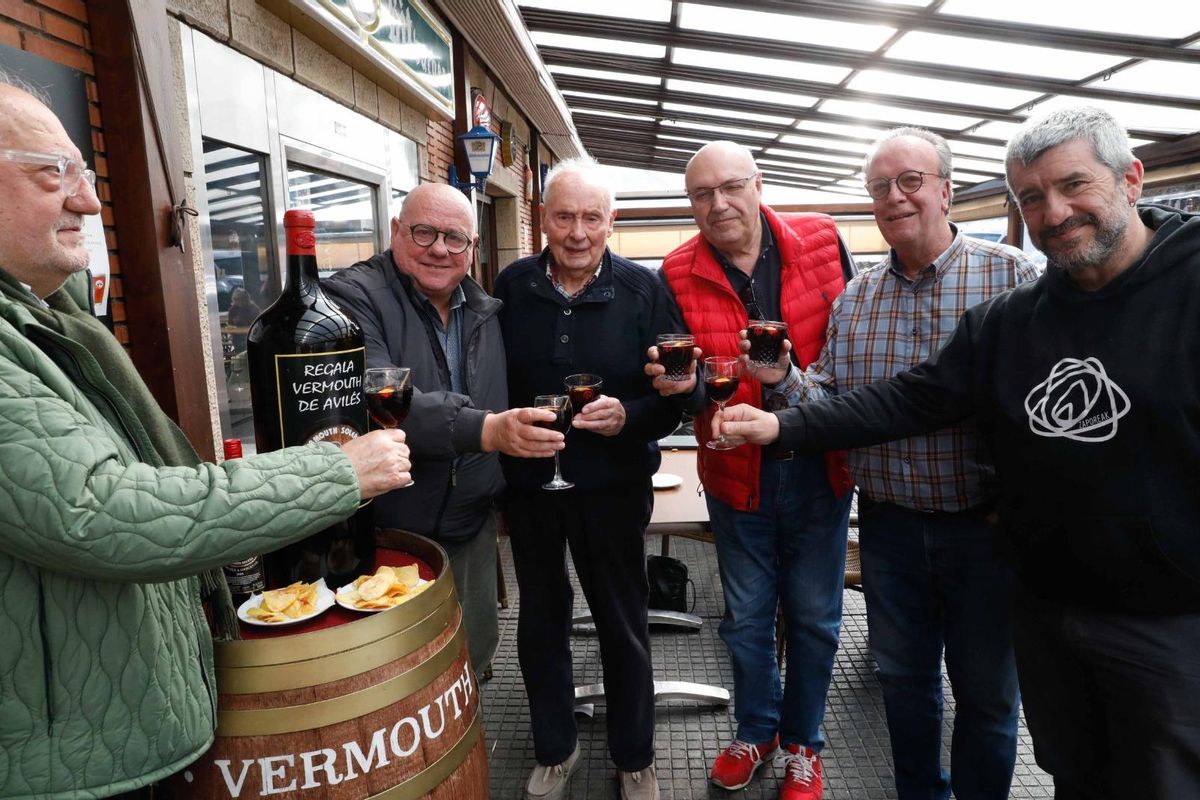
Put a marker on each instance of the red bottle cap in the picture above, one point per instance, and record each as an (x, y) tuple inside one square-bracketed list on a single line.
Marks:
[(298, 224), (233, 448)]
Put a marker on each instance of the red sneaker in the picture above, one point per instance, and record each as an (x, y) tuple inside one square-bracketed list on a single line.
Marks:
[(802, 774), (737, 763)]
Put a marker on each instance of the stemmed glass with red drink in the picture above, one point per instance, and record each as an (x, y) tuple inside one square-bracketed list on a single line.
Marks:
[(560, 405), (721, 377), (389, 392), (582, 388)]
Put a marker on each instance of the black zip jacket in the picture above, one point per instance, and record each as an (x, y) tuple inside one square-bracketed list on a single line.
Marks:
[(454, 484), (1090, 402), (606, 331)]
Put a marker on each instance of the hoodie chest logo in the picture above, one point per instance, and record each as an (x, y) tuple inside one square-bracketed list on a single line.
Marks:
[(1078, 402)]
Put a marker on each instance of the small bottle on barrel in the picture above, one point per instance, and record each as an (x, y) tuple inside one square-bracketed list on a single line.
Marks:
[(307, 358), (244, 577)]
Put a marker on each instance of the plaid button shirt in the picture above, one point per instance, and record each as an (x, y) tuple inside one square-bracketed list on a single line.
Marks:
[(884, 323)]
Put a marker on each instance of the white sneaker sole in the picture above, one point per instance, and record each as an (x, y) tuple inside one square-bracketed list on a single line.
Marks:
[(743, 785)]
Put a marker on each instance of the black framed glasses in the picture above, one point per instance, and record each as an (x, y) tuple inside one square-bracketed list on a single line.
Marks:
[(425, 235), (728, 189), (909, 181), (746, 295), (71, 173)]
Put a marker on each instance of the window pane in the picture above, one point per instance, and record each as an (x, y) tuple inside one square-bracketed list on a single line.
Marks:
[(345, 212), (243, 264)]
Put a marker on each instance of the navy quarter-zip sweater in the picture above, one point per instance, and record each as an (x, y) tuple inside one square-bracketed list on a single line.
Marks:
[(605, 330)]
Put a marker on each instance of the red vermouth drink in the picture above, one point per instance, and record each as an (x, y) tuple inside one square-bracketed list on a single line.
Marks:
[(561, 421), (675, 354), (766, 341), (389, 405), (721, 387), (582, 388)]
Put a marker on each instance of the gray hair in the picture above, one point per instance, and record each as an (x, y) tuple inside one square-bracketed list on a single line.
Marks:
[(587, 170), (1039, 133), (940, 146), (16, 82)]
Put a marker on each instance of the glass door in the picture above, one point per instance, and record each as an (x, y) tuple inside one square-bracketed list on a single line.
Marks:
[(243, 261)]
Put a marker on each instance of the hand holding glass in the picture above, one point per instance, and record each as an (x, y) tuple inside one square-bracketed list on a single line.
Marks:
[(389, 393), (560, 406), (721, 377)]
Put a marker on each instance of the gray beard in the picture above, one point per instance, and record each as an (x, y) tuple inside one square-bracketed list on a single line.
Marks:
[(1109, 233)]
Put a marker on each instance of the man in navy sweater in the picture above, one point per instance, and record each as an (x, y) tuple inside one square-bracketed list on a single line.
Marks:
[(578, 308), (1085, 386)]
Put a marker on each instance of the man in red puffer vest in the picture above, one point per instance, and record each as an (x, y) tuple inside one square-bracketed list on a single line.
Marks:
[(778, 518)]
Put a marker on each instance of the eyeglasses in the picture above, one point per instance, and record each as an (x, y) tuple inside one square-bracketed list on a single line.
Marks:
[(746, 295), (71, 173), (425, 235), (908, 182), (729, 189)]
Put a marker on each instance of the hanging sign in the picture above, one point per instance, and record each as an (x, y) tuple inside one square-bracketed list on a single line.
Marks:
[(402, 37), (480, 113)]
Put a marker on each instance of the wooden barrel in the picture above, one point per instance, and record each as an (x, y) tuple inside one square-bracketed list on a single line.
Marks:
[(385, 706)]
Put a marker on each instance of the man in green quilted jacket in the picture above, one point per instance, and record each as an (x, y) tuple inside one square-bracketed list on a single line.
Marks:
[(106, 515)]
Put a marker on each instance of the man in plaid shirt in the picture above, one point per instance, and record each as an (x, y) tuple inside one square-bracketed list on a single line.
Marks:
[(925, 503)]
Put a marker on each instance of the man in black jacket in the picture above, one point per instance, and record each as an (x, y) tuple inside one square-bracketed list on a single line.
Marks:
[(1085, 387), (578, 308), (418, 308)]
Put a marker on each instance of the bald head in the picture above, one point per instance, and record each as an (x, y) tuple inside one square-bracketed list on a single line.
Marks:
[(440, 200), (19, 112), (722, 152)]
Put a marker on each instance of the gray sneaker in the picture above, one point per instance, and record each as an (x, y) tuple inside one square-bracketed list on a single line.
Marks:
[(549, 783), (640, 785)]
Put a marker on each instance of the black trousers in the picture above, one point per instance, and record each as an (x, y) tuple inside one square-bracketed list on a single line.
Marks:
[(606, 534), (1112, 700)]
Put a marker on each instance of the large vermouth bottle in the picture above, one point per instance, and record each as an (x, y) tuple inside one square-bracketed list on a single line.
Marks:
[(307, 359)]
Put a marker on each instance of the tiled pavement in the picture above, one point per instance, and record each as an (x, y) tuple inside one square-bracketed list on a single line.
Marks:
[(856, 759)]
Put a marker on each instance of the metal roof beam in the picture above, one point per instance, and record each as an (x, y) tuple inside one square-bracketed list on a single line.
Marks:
[(826, 91), (917, 19), (596, 26)]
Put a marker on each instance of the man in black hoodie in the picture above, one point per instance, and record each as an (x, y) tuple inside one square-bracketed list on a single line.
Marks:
[(1085, 386)]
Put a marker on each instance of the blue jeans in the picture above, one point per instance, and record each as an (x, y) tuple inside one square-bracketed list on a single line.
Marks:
[(933, 581), (790, 553)]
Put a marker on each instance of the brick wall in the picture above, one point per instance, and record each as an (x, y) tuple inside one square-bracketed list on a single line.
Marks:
[(58, 30), (439, 151)]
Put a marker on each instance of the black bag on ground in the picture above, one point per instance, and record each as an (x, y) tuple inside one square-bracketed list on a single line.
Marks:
[(668, 579)]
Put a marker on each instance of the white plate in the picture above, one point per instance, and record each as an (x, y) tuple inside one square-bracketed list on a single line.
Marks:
[(421, 582), (665, 480), (324, 603)]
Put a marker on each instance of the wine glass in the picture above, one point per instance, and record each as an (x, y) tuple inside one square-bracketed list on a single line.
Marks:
[(582, 388), (389, 392), (560, 405), (721, 377)]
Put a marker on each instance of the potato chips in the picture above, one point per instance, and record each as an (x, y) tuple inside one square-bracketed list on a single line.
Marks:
[(289, 603), (387, 588)]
